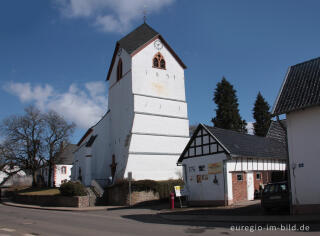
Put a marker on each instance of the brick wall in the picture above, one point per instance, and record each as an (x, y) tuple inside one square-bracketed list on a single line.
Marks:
[(239, 188), (264, 178)]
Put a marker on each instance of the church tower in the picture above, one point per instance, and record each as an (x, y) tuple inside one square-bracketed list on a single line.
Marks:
[(148, 105), (147, 126)]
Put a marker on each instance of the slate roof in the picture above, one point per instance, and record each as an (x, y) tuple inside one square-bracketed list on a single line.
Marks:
[(301, 88), (276, 131), (137, 38), (66, 156), (245, 145)]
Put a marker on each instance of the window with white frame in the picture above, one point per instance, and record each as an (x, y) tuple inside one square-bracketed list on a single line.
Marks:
[(63, 170), (239, 177)]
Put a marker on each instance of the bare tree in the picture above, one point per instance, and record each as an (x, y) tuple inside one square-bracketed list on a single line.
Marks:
[(23, 137), (7, 162), (31, 141), (57, 132)]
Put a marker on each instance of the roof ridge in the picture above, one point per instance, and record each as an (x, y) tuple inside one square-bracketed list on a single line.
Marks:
[(305, 62), (237, 132), (135, 29)]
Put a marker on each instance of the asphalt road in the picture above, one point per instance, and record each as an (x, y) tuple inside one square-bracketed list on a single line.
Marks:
[(142, 222)]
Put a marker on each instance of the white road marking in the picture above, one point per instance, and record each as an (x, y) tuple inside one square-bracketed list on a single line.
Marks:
[(7, 229)]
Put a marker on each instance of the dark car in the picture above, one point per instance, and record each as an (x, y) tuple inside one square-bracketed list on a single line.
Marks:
[(275, 195)]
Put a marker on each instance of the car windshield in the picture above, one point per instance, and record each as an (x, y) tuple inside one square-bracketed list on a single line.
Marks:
[(276, 188), (271, 188)]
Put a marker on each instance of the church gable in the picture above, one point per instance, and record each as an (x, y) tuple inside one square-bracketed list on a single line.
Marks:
[(137, 40), (201, 143)]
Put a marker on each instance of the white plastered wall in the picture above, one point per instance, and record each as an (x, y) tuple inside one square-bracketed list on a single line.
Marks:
[(207, 190), (303, 142), (59, 176), (160, 127)]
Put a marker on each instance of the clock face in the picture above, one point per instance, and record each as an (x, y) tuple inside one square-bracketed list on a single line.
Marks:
[(158, 45)]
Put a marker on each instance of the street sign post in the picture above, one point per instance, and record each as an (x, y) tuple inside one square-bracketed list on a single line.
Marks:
[(130, 179)]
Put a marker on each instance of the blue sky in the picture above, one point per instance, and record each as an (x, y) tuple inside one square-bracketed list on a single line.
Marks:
[(55, 54)]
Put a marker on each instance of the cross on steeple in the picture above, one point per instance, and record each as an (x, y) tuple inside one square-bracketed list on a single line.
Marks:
[(144, 14)]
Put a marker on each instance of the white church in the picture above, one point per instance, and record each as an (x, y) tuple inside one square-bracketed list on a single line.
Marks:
[(146, 127)]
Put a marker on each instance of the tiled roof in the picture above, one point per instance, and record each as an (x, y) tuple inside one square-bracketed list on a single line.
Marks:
[(137, 38), (301, 88), (240, 144), (66, 156), (276, 131)]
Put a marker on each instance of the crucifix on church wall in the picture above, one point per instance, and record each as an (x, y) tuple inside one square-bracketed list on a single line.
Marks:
[(113, 166)]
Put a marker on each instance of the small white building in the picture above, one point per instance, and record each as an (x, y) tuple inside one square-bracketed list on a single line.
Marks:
[(222, 167), (20, 178), (299, 99), (61, 171), (146, 126)]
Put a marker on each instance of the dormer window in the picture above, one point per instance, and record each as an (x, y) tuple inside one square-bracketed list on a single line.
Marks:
[(119, 70), (159, 62)]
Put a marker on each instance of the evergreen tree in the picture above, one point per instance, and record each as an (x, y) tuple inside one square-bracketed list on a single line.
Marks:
[(262, 116), (227, 112)]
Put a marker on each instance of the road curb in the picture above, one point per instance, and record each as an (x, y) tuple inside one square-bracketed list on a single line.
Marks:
[(242, 219), (7, 203)]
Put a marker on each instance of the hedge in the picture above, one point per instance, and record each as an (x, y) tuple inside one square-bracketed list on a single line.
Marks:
[(72, 189), (163, 188)]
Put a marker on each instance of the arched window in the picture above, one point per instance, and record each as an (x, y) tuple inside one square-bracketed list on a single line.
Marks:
[(119, 70), (158, 61)]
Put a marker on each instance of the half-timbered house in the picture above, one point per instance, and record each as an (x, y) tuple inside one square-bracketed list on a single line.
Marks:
[(221, 167)]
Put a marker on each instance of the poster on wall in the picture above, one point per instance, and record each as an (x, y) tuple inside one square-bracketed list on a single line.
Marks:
[(204, 177), (199, 178), (214, 168), (177, 191)]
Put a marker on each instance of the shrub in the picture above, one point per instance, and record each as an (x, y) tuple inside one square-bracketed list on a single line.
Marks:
[(72, 189)]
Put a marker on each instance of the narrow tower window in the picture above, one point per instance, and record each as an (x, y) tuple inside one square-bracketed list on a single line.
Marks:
[(119, 70), (159, 62)]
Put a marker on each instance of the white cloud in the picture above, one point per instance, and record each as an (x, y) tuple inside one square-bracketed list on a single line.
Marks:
[(110, 15), (83, 106), (250, 128)]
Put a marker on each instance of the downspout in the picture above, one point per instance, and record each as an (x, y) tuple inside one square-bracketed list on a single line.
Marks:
[(225, 182), (288, 163)]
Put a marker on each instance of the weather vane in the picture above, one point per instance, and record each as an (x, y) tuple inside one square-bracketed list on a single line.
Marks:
[(144, 14)]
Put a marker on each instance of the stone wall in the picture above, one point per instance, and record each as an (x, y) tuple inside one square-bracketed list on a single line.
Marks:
[(56, 201), (119, 195)]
